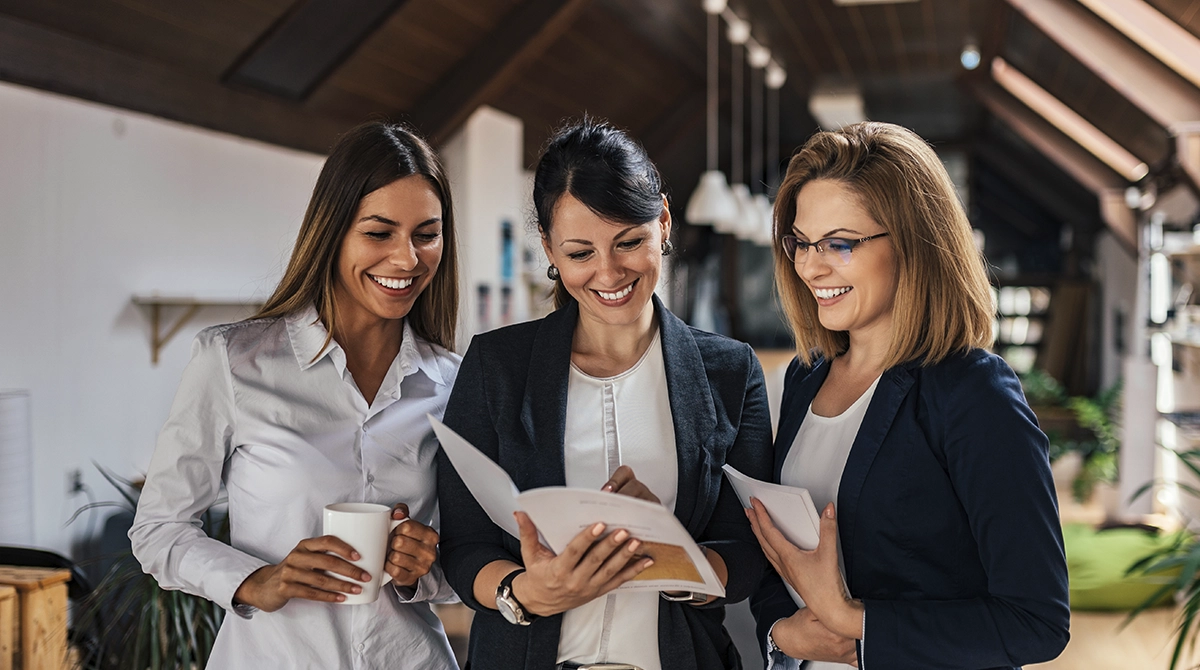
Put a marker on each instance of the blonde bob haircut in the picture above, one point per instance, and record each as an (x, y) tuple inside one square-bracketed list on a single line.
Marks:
[(943, 301), (366, 159)]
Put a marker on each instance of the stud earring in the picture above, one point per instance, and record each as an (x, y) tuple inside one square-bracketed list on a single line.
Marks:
[(552, 273), (667, 248)]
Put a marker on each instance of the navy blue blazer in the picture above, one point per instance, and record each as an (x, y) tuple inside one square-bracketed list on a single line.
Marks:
[(947, 518), (510, 401)]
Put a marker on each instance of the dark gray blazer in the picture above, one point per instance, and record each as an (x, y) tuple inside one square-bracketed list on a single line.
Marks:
[(510, 401)]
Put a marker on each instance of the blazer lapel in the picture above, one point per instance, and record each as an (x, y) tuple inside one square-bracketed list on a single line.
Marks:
[(693, 414), (889, 395), (544, 407), (809, 383)]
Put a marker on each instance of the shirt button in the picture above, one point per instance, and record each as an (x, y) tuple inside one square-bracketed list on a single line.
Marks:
[(361, 646), (370, 479)]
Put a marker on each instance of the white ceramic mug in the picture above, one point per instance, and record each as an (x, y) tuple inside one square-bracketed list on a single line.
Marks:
[(366, 527)]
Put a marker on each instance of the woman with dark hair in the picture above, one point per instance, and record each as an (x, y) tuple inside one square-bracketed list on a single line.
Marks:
[(896, 416), (321, 398), (610, 392)]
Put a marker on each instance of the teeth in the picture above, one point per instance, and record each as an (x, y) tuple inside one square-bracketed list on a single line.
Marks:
[(393, 283), (616, 296), (827, 293)]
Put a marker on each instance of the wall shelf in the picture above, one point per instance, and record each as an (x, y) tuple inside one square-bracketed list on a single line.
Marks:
[(156, 304)]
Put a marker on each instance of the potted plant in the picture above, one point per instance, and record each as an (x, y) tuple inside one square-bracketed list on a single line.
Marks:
[(128, 621), (1078, 427)]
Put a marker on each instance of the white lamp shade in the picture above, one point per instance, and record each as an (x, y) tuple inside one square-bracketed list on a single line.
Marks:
[(712, 201), (743, 224), (764, 235)]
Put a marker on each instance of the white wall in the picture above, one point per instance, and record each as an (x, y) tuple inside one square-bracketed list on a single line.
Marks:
[(483, 161), (96, 205)]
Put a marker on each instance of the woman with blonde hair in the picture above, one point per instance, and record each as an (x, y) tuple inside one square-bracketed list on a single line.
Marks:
[(321, 398), (914, 441)]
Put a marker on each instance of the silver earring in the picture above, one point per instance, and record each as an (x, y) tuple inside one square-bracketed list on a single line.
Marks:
[(552, 273), (667, 248)]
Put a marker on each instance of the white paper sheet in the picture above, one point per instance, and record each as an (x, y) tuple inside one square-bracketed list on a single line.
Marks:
[(560, 513), (791, 509)]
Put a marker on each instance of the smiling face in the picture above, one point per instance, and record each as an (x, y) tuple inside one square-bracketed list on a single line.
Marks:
[(390, 253), (856, 297), (610, 268)]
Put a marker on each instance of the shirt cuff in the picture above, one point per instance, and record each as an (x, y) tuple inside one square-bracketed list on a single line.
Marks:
[(860, 645), (776, 659)]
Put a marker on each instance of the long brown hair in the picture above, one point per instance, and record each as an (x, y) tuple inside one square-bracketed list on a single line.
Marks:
[(364, 160), (943, 301)]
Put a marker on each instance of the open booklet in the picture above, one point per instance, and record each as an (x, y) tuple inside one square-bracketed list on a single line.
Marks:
[(560, 513), (791, 509)]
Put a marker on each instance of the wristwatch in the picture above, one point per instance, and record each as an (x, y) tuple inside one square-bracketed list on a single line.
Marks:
[(510, 608)]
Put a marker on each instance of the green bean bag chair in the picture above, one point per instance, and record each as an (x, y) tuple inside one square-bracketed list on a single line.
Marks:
[(1097, 562)]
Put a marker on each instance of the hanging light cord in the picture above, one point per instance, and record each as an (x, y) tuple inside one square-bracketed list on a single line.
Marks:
[(713, 82)]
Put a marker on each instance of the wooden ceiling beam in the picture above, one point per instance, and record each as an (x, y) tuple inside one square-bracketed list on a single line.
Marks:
[(519, 39), (34, 56), (1138, 76), (1170, 42), (1073, 159)]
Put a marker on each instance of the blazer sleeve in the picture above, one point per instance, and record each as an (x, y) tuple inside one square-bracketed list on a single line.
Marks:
[(996, 458), (469, 539), (728, 531), (771, 600)]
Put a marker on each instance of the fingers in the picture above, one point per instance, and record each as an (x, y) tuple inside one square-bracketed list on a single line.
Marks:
[(769, 532), (622, 476), (303, 559), (632, 569), (412, 551), (331, 544), (400, 511), (532, 550), (756, 515), (828, 538)]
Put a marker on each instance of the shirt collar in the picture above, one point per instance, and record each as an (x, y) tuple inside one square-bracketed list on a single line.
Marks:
[(308, 336)]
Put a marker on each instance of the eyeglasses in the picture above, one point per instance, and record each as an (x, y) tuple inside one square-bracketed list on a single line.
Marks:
[(841, 247)]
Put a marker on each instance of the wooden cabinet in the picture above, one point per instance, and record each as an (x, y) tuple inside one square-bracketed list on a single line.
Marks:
[(39, 624)]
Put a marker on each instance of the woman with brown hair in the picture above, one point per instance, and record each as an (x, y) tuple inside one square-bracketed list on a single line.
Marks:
[(914, 439), (321, 398)]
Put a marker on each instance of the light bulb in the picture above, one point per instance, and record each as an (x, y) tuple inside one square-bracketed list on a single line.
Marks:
[(970, 55), (776, 75)]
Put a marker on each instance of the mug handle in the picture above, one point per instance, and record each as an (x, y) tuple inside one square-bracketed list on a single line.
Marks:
[(387, 576)]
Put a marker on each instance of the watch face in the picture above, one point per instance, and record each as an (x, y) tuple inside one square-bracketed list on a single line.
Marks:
[(507, 610)]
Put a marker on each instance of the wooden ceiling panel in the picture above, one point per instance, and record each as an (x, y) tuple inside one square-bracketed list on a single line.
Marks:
[(1184, 12), (203, 37), (1051, 67)]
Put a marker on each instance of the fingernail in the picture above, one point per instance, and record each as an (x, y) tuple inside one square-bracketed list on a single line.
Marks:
[(620, 536), (341, 597), (649, 562), (366, 577), (633, 546), (829, 511), (606, 487), (597, 529), (356, 589)]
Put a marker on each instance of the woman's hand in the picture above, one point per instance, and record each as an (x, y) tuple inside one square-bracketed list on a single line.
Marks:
[(624, 482), (412, 549), (803, 636), (591, 565), (814, 574), (301, 575)]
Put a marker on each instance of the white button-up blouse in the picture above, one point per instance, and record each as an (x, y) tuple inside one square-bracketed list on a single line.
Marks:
[(266, 411)]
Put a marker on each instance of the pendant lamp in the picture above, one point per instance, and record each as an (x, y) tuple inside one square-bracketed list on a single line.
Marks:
[(760, 56), (712, 200), (747, 213)]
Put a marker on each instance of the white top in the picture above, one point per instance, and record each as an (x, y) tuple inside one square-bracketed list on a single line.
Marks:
[(621, 420), (280, 422), (815, 462)]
